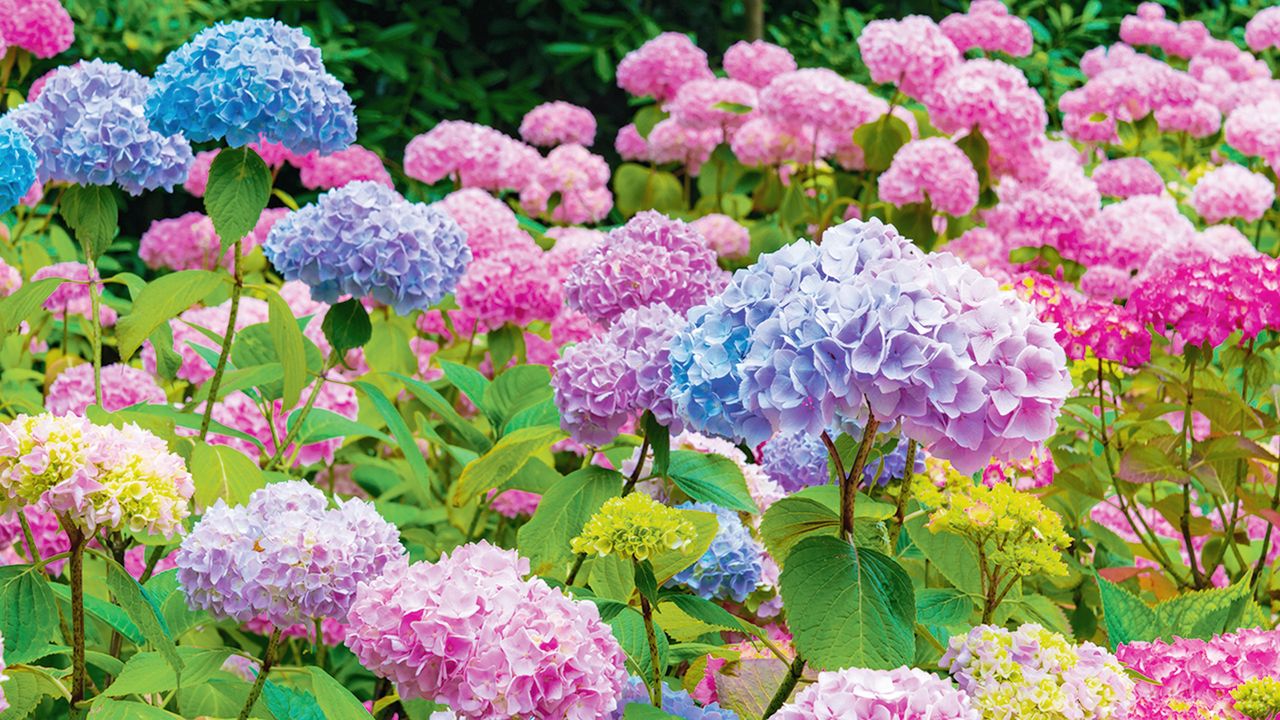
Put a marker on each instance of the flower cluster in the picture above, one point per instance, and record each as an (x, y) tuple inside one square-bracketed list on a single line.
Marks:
[(1258, 699), (72, 296), (1192, 678), (1251, 130), (1086, 325), (574, 175), (795, 460), (472, 632), (1263, 30), (189, 242), (756, 63), (1231, 191), (1127, 177), (325, 172), (46, 532), (1034, 673), (652, 259), (712, 103), (364, 239), (728, 237), (17, 164), (474, 156), (911, 53), (731, 567), (94, 476), (1208, 299), (41, 27), (634, 527), (558, 123), (513, 285), (122, 386), (661, 66), (933, 169), (900, 694), (249, 80), (83, 105), (489, 223), (808, 113), (286, 555), (1150, 27), (989, 27)]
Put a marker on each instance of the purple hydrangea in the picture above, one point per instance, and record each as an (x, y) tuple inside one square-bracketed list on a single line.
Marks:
[(652, 259), (286, 555), (603, 382), (87, 127), (731, 567), (364, 239), (795, 460), (241, 80), (883, 469), (675, 701), (17, 164)]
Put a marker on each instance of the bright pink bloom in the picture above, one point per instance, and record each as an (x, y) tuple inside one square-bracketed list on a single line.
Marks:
[(1126, 177), (1194, 678), (989, 27), (756, 63), (911, 53), (936, 168), (671, 142), (630, 145), (188, 242), (41, 27), (578, 177), (470, 154), (489, 223), (558, 123), (1253, 130), (660, 66), (513, 286)]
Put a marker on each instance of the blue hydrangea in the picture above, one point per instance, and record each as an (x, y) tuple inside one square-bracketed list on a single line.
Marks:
[(241, 80), (675, 701), (731, 567), (365, 240), (886, 468), (87, 127), (17, 164), (795, 460)]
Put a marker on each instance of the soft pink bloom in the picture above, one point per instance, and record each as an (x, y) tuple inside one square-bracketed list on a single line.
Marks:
[(514, 503), (558, 123), (122, 386), (1253, 130), (10, 278), (490, 224), (900, 694), (1199, 119), (72, 297), (756, 63), (470, 154), (630, 144), (725, 235), (993, 97), (1239, 64), (671, 142), (911, 53), (1150, 27), (188, 242), (513, 286), (1263, 30), (762, 141), (1126, 177), (988, 26), (695, 103), (571, 243), (578, 177), (933, 167), (660, 66), (1231, 191), (325, 172), (818, 99), (198, 175)]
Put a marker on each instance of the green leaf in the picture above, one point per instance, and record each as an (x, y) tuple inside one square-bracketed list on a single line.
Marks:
[(168, 361), (977, 149), (91, 211), (113, 616), (560, 516), (238, 190), (28, 616), (346, 326), (792, 519), (659, 437), (915, 222), (957, 561), (646, 584), (149, 672), (711, 478), (221, 472), (648, 116), (25, 689), (641, 711), (505, 343), (880, 140), (1128, 618), (732, 107), (638, 187), (162, 299), (943, 606), (517, 389), (142, 610), (628, 629), (668, 563), (436, 402), (320, 425), (111, 709), (711, 614), (1038, 609), (1145, 463), (497, 466), (400, 431), (1204, 613), (543, 413), (24, 303), (334, 699), (286, 702), (290, 347), (468, 380), (848, 607)]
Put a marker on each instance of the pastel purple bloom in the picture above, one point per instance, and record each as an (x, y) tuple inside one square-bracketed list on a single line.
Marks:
[(899, 694), (731, 568), (795, 460)]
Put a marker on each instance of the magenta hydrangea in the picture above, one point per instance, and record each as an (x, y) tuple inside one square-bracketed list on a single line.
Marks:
[(471, 155), (1193, 678), (325, 172), (911, 53), (1205, 300), (757, 62), (558, 123), (1087, 326), (933, 168), (580, 181), (471, 632), (41, 27), (72, 296), (989, 27), (287, 555), (652, 259), (1127, 177), (728, 237), (900, 694), (1232, 191), (122, 386), (660, 66), (715, 103), (514, 286)]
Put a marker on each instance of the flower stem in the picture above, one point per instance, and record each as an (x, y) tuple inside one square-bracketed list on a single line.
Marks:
[(236, 289), (1185, 520), (849, 481), (655, 691), (95, 321), (904, 494), (268, 657), (788, 684), (79, 674)]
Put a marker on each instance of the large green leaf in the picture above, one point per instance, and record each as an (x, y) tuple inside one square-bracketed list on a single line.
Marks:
[(564, 509), (238, 190), (1128, 618), (516, 389), (628, 628), (880, 140), (437, 403), (149, 672), (668, 563), (112, 709), (497, 466), (948, 554), (91, 211), (346, 326), (28, 615), (1205, 613), (221, 472), (144, 613), (24, 303), (847, 606), (641, 711), (291, 347), (334, 699), (792, 519), (943, 606), (400, 431), (162, 299), (469, 380), (639, 187), (711, 478), (108, 613)]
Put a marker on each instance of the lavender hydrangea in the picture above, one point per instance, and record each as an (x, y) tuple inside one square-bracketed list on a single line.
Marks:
[(364, 239), (652, 259), (731, 567), (675, 701), (286, 555), (17, 164), (87, 127), (252, 78), (795, 460), (891, 466)]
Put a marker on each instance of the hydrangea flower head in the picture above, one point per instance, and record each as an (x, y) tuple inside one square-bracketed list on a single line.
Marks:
[(95, 476), (189, 242), (891, 467), (514, 286), (756, 63), (365, 240), (248, 80), (578, 177), (474, 156), (989, 27), (652, 259), (1127, 177), (489, 223), (41, 27), (472, 632), (325, 172), (933, 167), (81, 106), (286, 555), (815, 100), (1034, 673), (675, 702), (728, 237), (122, 386), (703, 104), (1087, 325), (558, 123), (1020, 534), (900, 694), (634, 527), (671, 141), (1258, 699), (1205, 300), (1193, 678), (1263, 30), (1232, 191), (993, 97), (1251, 130), (796, 460), (660, 66), (731, 568), (17, 164), (911, 53)]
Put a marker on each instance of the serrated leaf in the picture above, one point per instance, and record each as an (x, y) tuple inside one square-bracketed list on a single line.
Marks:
[(560, 516), (792, 519), (162, 299), (1204, 613), (291, 347), (956, 560), (24, 303), (517, 389), (221, 472), (149, 672), (1128, 619), (711, 478), (143, 612), (238, 191), (943, 606), (28, 615), (497, 466), (91, 211)]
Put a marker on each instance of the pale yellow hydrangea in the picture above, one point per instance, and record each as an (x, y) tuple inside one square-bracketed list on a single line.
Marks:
[(634, 527)]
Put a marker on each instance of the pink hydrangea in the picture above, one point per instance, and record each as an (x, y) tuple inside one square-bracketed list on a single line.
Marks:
[(41, 27), (1199, 119), (1150, 27), (10, 278), (122, 386), (1231, 191), (1028, 473), (1193, 678), (1263, 30), (660, 66), (489, 223), (325, 172), (701, 104), (578, 177), (515, 503), (630, 144), (993, 97), (756, 63), (1209, 299), (194, 368), (933, 167), (50, 539), (989, 27), (1253, 130), (332, 632), (818, 100), (728, 237), (911, 53), (1087, 326), (239, 411), (1128, 89), (72, 297), (188, 242), (198, 175), (470, 154), (558, 123), (1126, 234), (1127, 177), (513, 286), (470, 631), (570, 244), (1239, 64), (671, 142), (900, 694)]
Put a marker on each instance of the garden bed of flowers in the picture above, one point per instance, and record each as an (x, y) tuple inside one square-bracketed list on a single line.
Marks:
[(942, 395)]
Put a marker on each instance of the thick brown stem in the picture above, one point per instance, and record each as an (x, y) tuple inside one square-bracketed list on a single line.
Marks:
[(849, 483), (655, 692), (79, 673)]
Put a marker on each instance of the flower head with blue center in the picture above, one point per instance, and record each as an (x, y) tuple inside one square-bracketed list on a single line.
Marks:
[(731, 567), (17, 164)]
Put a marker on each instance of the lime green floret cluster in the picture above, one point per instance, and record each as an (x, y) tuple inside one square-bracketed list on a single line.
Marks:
[(1258, 699), (634, 527)]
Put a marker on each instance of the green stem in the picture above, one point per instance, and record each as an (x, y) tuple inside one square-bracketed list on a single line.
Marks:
[(33, 552), (655, 691), (1185, 520), (268, 657), (153, 558), (904, 494), (789, 681), (236, 290), (95, 322), (292, 434)]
